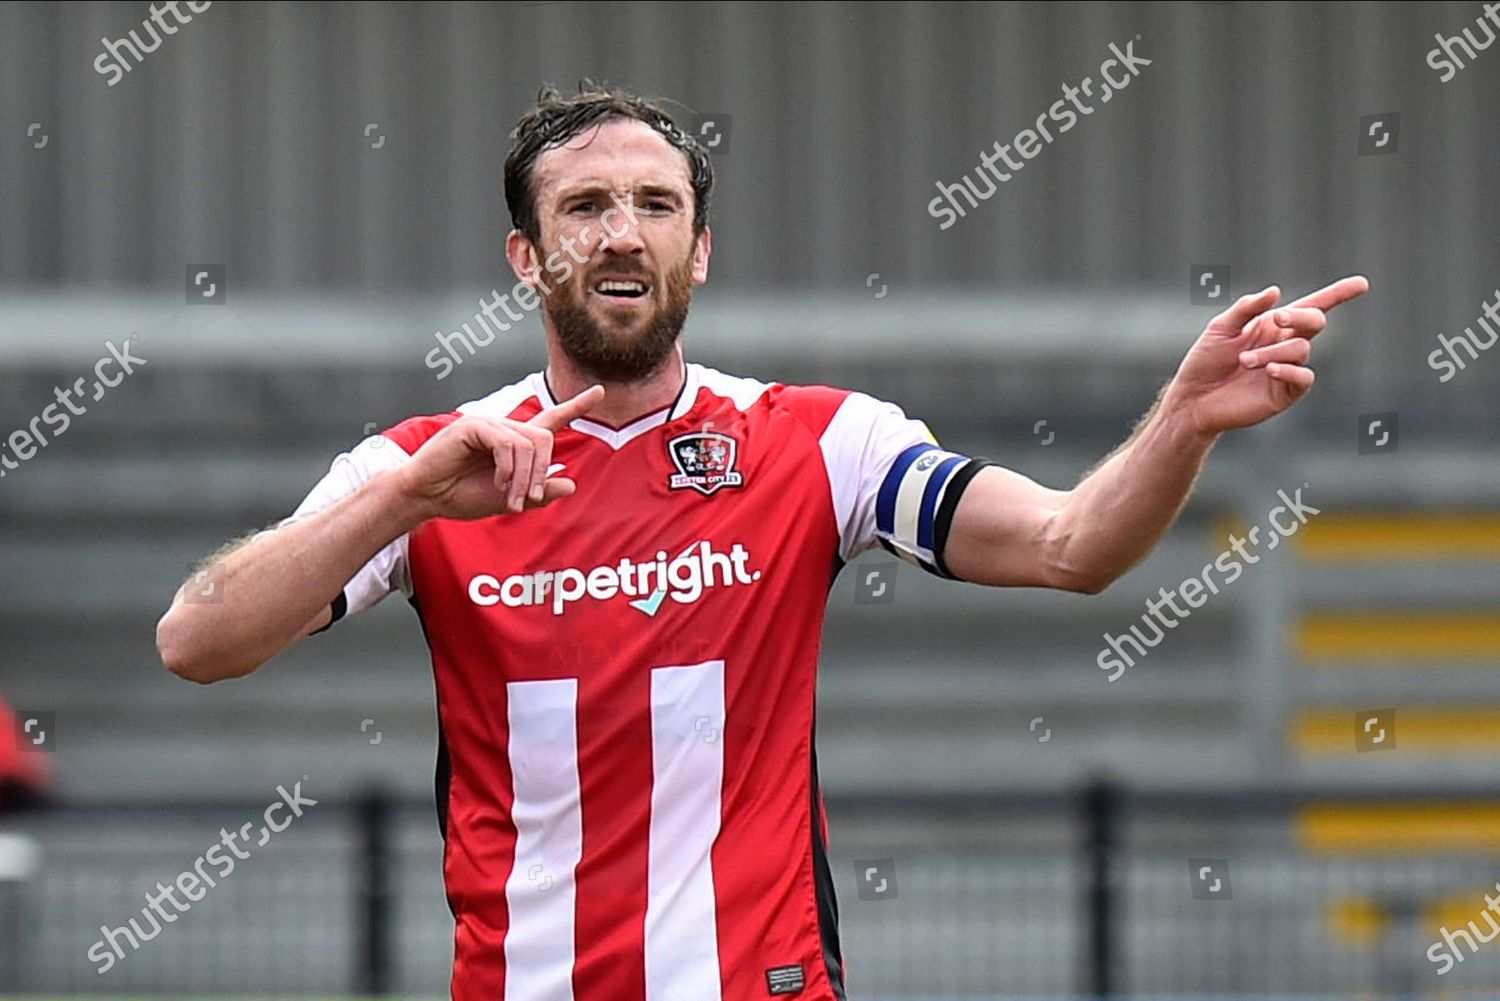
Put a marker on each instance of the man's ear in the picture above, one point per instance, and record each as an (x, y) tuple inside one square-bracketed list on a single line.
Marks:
[(523, 257), (703, 246)]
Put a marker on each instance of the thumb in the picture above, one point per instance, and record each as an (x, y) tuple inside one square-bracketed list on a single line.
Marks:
[(556, 489)]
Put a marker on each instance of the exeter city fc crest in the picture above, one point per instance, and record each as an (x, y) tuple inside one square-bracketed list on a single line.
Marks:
[(705, 461)]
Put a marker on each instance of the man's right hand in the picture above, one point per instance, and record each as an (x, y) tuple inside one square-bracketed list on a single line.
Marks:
[(477, 467), (278, 587)]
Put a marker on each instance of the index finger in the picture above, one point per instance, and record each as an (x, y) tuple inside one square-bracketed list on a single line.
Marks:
[(560, 416), (1336, 294)]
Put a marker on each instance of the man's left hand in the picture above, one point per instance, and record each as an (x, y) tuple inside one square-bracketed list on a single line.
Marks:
[(1250, 363)]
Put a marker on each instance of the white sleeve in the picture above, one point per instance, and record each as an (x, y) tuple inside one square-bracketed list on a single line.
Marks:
[(892, 484), (387, 570)]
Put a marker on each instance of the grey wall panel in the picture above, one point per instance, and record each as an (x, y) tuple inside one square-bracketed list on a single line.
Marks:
[(241, 140)]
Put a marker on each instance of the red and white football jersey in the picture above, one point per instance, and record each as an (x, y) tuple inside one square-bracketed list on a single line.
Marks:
[(625, 681)]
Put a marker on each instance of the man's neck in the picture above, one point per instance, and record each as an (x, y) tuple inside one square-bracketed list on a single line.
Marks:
[(623, 402)]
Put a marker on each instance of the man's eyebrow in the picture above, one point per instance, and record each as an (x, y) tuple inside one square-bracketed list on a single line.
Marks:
[(576, 188), (595, 188), (659, 191)]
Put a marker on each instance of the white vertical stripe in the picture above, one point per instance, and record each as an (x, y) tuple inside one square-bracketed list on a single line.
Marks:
[(540, 893), (687, 771)]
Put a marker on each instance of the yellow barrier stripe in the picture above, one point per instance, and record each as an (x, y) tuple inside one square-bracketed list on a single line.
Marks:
[(1407, 636), (1391, 537), (1395, 828), (1455, 910), (1355, 920), (1383, 538), (1315, 732), (1359, 921)]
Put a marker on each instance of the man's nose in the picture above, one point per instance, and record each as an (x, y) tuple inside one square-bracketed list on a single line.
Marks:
[(620, 234)]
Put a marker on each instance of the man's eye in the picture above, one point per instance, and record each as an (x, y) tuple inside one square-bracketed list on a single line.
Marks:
[(583, 206)]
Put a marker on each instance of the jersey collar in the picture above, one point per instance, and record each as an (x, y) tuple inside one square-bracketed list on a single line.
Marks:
[(617, 438)]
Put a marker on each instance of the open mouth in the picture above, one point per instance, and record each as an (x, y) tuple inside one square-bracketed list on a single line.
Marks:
[(622, 290)]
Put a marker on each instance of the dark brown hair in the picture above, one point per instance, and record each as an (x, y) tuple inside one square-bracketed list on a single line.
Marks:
[(556, 119)]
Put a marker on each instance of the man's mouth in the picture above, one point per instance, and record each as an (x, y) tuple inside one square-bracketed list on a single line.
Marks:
[(621, 291)]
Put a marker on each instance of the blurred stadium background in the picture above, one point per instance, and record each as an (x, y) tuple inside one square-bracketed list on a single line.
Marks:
[(1043, 827)]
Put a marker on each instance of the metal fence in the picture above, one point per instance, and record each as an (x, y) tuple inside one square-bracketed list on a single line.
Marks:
[(1099, 892)]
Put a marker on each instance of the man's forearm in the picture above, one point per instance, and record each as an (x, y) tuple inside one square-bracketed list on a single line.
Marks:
[(275, 588), (1122, 509)]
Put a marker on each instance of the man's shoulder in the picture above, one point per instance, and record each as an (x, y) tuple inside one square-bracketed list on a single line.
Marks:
[(812, 404), (518, 401)]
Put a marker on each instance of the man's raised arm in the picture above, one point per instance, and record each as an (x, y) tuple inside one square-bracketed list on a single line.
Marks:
[(1248, 365), (280, 586)]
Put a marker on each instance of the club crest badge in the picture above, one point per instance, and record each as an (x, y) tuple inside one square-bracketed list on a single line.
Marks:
[(704, 461)]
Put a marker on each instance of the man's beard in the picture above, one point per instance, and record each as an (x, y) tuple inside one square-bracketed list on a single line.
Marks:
[(605, 353)]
